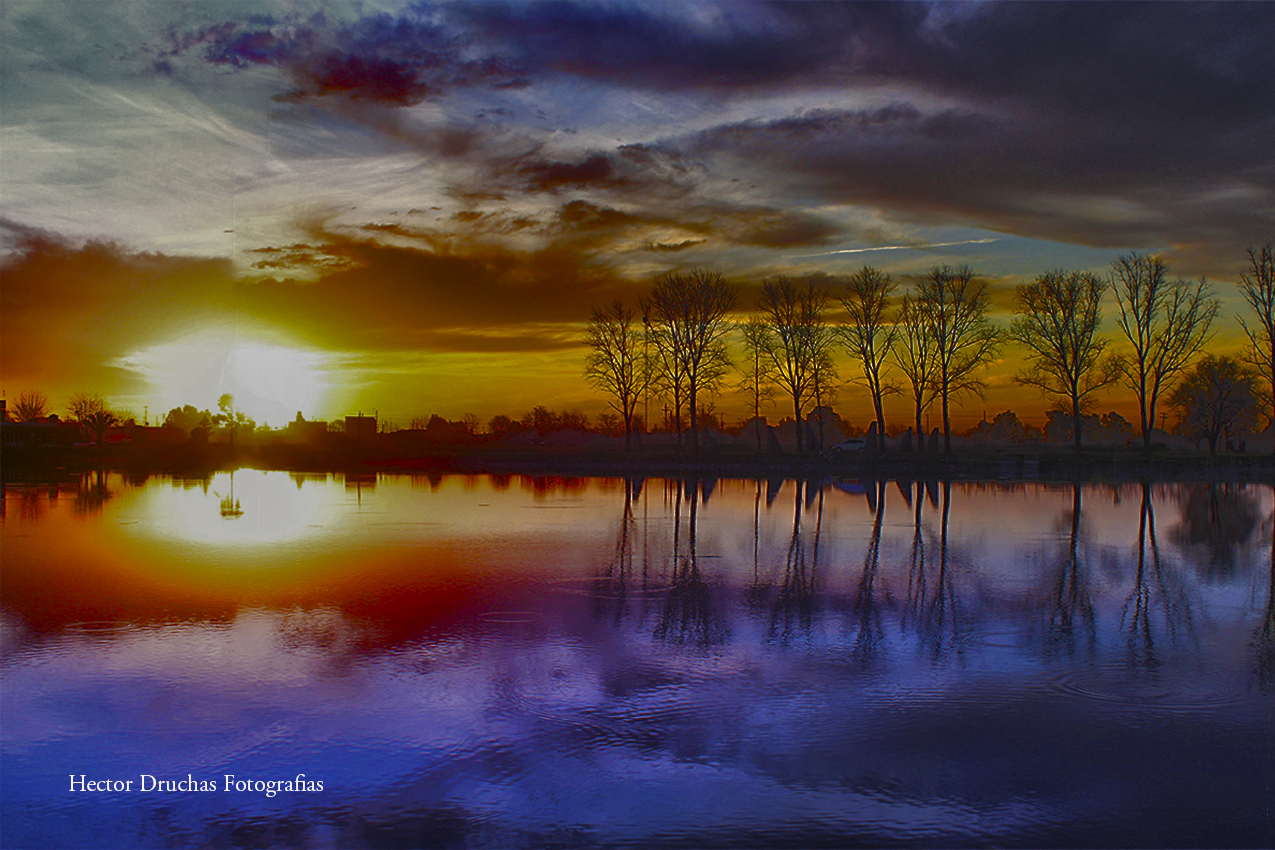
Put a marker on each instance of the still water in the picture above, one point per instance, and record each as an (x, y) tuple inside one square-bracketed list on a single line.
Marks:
[(511, 662)]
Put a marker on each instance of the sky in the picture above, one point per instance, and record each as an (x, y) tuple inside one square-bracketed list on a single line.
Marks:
[(411, 208)]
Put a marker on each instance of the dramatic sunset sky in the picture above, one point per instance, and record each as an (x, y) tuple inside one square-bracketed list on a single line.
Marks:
[(411, 207)]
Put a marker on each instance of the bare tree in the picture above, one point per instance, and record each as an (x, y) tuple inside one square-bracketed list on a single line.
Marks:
[(824, 377), (30, 406), (1059, 314), (757, 381), (1219, 396), (799, 340), (93, 416), (688, 320), (914, 353), (1258, 288), (1166, 322), (954, 304), (614, 363), (869, 335)]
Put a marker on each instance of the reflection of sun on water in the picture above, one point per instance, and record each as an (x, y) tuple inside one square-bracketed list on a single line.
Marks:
[(244, 508)]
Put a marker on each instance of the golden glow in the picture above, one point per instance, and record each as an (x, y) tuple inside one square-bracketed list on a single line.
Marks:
[(244, 508), (270, 382)]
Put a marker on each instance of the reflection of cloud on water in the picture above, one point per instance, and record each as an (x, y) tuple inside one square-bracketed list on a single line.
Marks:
[(622, 740)]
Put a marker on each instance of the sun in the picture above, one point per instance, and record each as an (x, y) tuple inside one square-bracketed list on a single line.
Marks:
[(270, 382)]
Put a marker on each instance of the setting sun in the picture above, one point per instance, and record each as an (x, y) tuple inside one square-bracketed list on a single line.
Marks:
[(270, 383)]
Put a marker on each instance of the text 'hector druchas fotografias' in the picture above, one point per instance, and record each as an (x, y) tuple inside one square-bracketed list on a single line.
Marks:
[(228, 782)]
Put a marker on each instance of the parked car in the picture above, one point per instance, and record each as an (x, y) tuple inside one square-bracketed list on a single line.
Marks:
[(854, 444)]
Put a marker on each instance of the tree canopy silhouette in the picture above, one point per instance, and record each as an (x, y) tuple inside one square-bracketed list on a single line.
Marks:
[(92, 414), (1058, 318), (915, 355), (1166, 322), (870, 335), (757, 380), (614, 363), (688, 324), (799, 342), (1219, 396), (30, 406), (953, 305), (1257, 285)]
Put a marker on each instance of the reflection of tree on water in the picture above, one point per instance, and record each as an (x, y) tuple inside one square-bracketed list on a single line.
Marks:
[(609, 589), (1264, 639), (756, 593), (795, 605), (866, 605), (34, 500), (689, 615), (1219, 519), (229, 504), (932, 603), (92, 493), (1152, 587), (1070, 608)]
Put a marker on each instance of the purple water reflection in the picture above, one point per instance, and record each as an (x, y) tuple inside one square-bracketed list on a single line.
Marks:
[(541, 662)]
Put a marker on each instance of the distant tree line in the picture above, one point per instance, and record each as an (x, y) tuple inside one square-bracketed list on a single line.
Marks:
[(931, 337)]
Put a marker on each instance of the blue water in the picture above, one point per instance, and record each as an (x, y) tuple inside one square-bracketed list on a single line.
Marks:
[(516, 662)]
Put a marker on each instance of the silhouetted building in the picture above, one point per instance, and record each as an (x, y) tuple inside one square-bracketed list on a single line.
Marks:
[(361, 429), (311, 432)]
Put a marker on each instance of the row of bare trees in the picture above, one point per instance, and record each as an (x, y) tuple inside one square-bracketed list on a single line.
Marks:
[(679, 352), (88, 410), (932, 342)]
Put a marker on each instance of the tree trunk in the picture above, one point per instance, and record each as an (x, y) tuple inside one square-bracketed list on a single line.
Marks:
[(801, 426), (947, 427), (1075, 421), (920, 443), (694, 422), (1146, 426), (876, 400)]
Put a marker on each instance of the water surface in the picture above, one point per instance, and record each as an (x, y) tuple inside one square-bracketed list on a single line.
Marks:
[(508, 661)]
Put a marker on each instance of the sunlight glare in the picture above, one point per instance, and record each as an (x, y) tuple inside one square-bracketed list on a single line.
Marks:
[(268, 508), (270, 383)]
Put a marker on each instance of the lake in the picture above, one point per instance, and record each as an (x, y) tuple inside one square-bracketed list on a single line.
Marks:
[(510, 661)]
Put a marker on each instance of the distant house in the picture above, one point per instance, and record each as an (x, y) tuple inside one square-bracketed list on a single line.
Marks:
[(303, 432), (45, 431), (155, 435)]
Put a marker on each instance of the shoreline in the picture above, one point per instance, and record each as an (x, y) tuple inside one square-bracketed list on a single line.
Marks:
[(1003, 464)]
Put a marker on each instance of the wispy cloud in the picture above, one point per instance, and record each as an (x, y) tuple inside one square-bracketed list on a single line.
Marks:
[(902, 247)]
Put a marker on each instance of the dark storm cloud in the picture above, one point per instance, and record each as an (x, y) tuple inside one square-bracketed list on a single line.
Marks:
[(1107, 124), (593, 171), (1197, 61), (1185, 62), (743, 46), (397, 60), (1093, 185)]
